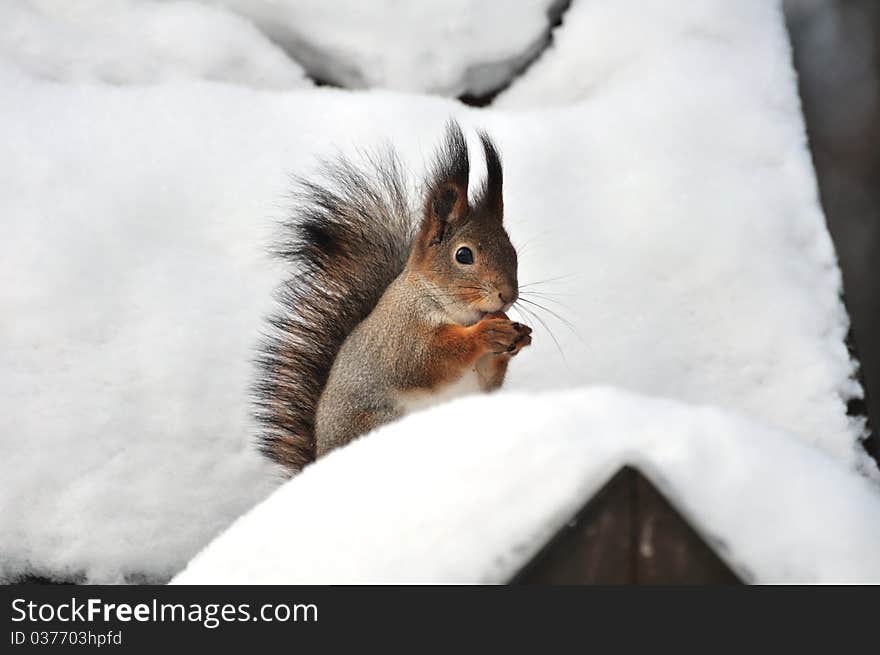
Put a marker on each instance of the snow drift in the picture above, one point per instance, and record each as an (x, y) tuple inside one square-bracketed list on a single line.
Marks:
[(137, 42), (475, 505), (448, 48)]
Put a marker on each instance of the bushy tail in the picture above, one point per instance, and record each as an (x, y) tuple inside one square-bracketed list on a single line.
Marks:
[(349, 236)]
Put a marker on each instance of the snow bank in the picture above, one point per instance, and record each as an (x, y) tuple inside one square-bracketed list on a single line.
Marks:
[(470, 491), (448, 48), (602, 45), (136, 42), (671, 217)]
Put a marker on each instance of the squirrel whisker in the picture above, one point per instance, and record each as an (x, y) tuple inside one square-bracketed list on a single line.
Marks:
[(549, 279), (528, 313), (547, 297), (565, 321)]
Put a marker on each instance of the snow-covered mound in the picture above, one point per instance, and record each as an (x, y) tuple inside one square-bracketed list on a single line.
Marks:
[(138, 42), (588, 58), (474, 505), (449, 48), (670, 216)]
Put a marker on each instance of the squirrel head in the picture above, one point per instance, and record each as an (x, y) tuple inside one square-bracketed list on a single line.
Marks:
[(462, 248)]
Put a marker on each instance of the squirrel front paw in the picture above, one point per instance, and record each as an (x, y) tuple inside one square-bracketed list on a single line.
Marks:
[(524, 339), (501, 335)]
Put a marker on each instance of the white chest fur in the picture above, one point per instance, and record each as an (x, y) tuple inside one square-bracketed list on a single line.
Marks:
[(412, 401)]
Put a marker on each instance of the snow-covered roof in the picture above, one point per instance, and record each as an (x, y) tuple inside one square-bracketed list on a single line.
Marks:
[(469, 491), (664, 205)]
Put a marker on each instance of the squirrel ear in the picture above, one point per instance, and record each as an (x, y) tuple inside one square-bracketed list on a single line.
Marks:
[(447, 198), (490, 198)]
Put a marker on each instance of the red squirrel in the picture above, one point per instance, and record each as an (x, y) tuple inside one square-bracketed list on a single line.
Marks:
[(388, 311)]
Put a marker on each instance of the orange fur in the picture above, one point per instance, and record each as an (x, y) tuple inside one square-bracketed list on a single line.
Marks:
[(486, 346)]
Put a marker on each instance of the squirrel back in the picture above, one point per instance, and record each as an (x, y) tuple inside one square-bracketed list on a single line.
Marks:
[(348, 238)]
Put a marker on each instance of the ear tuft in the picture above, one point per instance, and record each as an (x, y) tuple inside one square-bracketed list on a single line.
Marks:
[(451, 163), (491, 198)]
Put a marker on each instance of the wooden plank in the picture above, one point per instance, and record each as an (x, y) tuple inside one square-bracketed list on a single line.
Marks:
[(628, 533), (595, 547), (667, 549)]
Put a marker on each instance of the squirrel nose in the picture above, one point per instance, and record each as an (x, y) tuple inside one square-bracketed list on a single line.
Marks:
[(507, 296)]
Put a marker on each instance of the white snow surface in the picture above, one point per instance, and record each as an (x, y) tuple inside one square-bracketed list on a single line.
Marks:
[(447, 48), (670, 214), (603, 44), (483, 483), (139, 42)]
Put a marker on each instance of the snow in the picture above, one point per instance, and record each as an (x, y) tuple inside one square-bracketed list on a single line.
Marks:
[(627, 39), (476, 505), (448, 48), (136, 42), (669, 213)]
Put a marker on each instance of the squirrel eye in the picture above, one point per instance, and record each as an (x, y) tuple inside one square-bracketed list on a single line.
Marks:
[(464, 256)]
